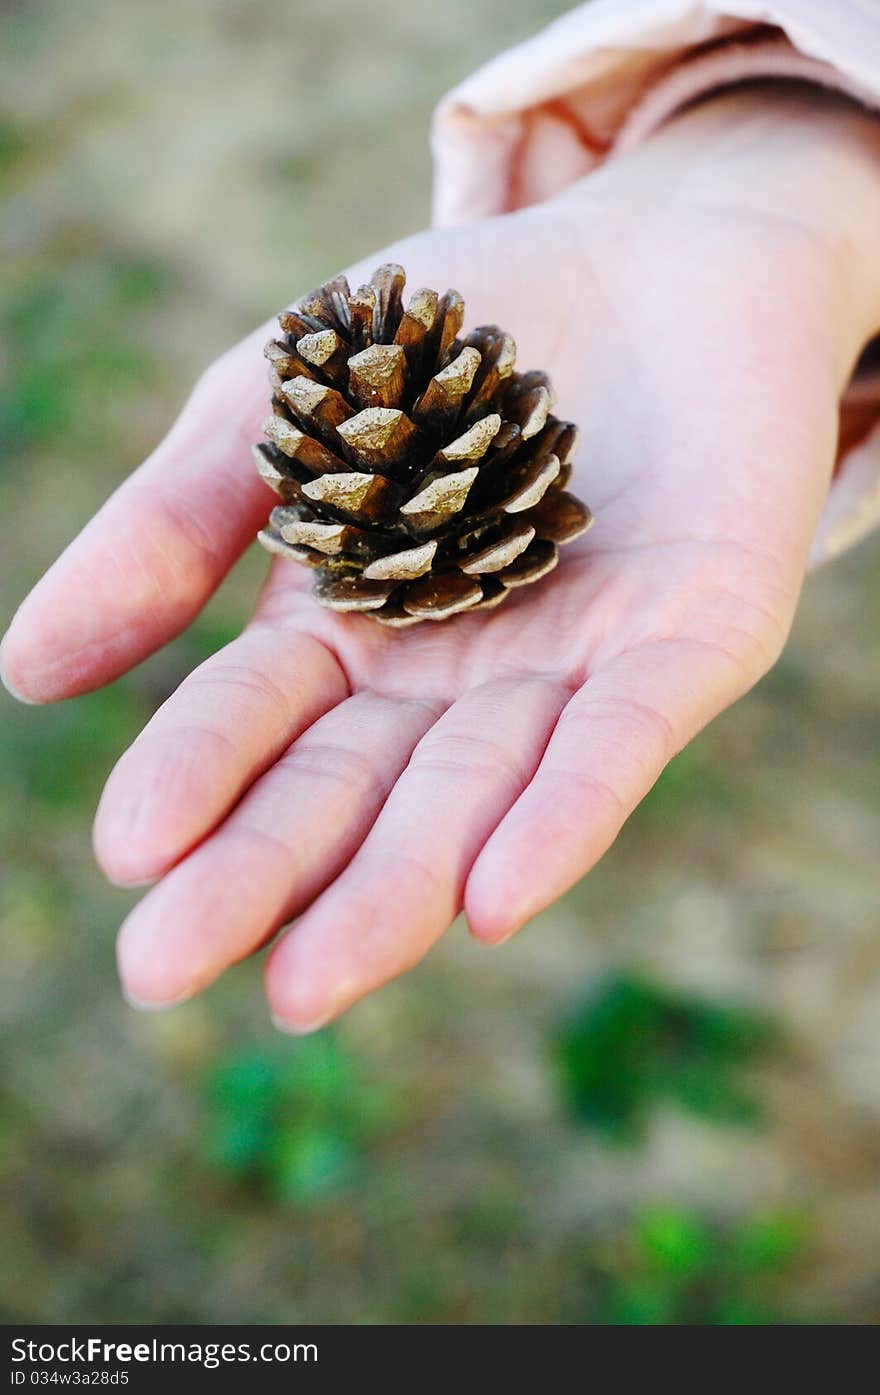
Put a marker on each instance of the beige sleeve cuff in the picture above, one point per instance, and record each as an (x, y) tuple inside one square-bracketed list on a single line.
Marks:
[(601, 79)]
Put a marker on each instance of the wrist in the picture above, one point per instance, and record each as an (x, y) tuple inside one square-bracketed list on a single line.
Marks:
[(781, 167)]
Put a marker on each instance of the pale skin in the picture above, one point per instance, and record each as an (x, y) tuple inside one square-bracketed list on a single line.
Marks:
[(700, 305)]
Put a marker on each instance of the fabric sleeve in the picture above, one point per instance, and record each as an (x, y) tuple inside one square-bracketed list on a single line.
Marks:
[(603, 77)]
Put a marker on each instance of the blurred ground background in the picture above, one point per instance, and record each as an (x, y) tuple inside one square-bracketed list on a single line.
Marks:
[(661, 1103)]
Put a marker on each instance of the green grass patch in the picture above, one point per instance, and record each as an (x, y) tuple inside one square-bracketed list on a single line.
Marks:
[(630, 1044)]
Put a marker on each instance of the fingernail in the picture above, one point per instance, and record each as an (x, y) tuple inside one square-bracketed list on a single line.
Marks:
[(13, 691), (301, 1029), (140, 1006), (130, 883), (502, 940)]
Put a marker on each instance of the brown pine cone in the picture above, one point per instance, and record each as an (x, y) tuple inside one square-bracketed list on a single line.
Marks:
[(420, 475)]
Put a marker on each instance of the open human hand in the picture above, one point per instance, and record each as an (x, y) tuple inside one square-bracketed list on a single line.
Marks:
[(367, 784)]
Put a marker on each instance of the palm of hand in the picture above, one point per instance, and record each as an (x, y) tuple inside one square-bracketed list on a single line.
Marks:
[(373, 782)]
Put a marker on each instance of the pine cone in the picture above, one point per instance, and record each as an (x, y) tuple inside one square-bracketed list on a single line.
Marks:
[(420, 475)]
